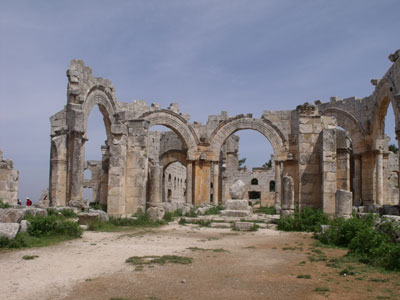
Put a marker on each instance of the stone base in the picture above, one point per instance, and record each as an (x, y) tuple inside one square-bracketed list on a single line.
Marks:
[(238, 205), (9, 230), (244, 226), (156, 213), (236, 213), (287, 212)]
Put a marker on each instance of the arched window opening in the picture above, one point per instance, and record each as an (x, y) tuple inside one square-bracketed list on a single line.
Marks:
[(272, 186), (254, 181)]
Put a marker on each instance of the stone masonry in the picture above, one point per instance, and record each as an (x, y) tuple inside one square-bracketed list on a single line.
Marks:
[(8, 181), (323, 147)]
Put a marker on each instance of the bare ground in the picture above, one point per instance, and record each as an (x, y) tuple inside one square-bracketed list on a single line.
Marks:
[(256, 265)]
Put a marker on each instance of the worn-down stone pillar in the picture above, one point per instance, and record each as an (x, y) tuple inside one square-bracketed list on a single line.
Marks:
[(344, 207), (105, 165), (189, 182), (328, 168), (76, 153), (136, 167), (287, 196), (215, 183), (379, 177), (343, 169), (202, 173), (156, 173), (357, 180), (58, 171), (116, 171), (397, 130), (278, 185)]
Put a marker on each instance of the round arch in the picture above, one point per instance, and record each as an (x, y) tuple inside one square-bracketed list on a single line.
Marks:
[(98, 95), (348, 122), (383, 97), (172, 156), (227, 128), (177, 124)]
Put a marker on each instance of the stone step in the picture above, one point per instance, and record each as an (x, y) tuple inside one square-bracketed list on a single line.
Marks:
[(220, 225)]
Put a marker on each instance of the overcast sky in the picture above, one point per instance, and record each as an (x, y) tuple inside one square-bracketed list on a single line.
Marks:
[(239, 56)]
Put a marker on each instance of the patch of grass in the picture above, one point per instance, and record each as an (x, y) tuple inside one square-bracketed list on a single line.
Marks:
[(98, 206), (308, 219), (204, 249), (321, 289), (24, 240), (191, 213), (346, 272), (160, 260), (121, 224), (29, 257), (214, 210), (182, 221), (302, 276), (302, 263), (268, 210), (169, 216), (378, 280), (4, 205)]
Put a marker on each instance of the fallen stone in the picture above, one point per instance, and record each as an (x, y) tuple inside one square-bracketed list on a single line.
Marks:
[(102, 215), (9, 230), (235, 213), (24, 226), (244, 226), (220, 225), (262, 225), (34, 211), (11, 215), (237, 189), (156, 213), (86, 217)]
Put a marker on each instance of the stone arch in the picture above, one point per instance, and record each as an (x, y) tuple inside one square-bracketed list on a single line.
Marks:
[(384, 95), (98, 95), (349, 122), (265, 127), (177, 124), (172, 156)]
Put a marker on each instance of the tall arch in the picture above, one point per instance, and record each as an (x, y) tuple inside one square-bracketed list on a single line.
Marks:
[(172, 156), (227, 128), (177, 124)]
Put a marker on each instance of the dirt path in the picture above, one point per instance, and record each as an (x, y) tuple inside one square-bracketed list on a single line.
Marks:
[(255, 265)]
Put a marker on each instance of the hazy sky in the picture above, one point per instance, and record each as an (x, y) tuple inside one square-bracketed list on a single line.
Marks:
[(239, 56)]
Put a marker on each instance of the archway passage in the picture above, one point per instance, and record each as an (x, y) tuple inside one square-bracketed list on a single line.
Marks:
[(256, 147), (174, 183)]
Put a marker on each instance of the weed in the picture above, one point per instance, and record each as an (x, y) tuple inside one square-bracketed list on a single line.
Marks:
[(29, 257), (346, 272), (321, 289), (4, 205), (268, 210), (308, 219), (378, 280), (304, 276), (160, 260), (214, 210)]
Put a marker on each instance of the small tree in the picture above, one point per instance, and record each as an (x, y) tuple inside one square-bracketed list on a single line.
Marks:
[(242, 161), (393, 148)]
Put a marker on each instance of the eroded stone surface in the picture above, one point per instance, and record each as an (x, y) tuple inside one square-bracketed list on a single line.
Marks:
[(9, 230)]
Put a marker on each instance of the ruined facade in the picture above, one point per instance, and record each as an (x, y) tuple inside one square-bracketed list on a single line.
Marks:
[(305, 141), (8, 181)]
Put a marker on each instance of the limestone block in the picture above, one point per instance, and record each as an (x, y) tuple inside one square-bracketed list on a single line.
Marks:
[(24, 226), (235, 213), (34, 211), (344, 200), (11, 215), (389, 210), (156, 213), (102, 215), (244, 226), (237, 205), (86, 217), (9, 230), (237, 189), (220, 225)]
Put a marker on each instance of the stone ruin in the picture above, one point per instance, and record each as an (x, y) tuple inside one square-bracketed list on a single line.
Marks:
[(323, 147), (8, 181), (331, 155)]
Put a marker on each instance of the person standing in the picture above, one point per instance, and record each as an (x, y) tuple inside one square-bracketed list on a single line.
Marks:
[(28, 201), (19, 202)]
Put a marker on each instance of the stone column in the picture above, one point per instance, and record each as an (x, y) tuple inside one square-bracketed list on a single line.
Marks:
[(105, 164), (278, 185), (215, 183), (287, 196), (58, 171), (189, 182), (202, 182), (379, 177), (397, 130), (76, 156), (357, 180), (156, 174)]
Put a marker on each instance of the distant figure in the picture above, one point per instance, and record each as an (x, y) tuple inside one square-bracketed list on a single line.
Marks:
[(28, 201), (19, 202)]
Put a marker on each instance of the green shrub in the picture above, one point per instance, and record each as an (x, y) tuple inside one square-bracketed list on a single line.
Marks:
[(268, 210), (214, 210), (191, 213), (98, 206), (4, 205), (341, 231), (308, 219), (169, 216), (53, 225)]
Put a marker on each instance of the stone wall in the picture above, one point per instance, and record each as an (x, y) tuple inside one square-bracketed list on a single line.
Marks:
[(8, 181)]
